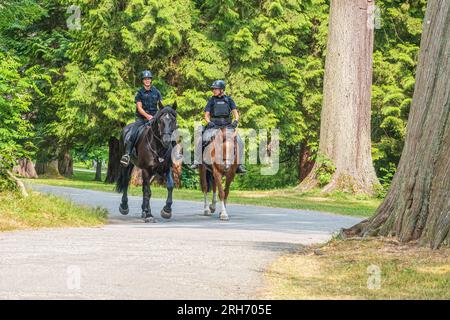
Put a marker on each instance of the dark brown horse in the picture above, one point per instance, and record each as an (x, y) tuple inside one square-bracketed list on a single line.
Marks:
[(220, 159), (154, 156)]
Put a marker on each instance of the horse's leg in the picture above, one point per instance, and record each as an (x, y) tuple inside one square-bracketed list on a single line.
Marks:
[(204, 187), (228, 181), (212, 207), (223, 215), (166, 211), (123, 207), (147, 193)]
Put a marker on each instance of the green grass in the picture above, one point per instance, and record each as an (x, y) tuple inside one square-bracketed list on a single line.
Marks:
[(37, 211), (340, 203), (341, 271)]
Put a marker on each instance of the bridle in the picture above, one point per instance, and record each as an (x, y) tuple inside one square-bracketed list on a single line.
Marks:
[(156, 136)]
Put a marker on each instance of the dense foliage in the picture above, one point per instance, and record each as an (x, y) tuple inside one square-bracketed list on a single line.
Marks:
[(271, 53)]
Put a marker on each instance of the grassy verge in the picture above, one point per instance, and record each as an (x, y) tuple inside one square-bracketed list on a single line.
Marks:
[(340, 203), (342, 270), (37, 211)]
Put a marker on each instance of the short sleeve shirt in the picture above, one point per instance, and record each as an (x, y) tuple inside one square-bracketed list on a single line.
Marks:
[(149, 100)]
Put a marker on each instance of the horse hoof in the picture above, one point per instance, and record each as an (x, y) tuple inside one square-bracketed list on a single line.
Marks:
[(150, 220), (146, 214), (207, 212), (213, 209), (165, 214), (224, 216), (124, 211)]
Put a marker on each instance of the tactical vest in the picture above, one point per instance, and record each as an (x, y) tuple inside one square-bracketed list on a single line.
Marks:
[(221, 110)]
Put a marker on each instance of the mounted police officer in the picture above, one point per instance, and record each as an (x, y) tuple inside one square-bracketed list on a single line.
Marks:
[(147, 99), (219, 112)]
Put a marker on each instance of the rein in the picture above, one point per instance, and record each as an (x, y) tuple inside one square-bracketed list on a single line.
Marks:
[(155, 133)]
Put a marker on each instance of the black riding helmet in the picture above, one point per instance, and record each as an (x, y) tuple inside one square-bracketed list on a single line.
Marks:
[(146, 74), (218, 84)]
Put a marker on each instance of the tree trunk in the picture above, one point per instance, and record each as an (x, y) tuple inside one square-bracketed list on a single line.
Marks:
[(48, 169), (305, 163), (25, 168), (113, 161), (98, 170), (65, 164), (417, 206), (345, 117)]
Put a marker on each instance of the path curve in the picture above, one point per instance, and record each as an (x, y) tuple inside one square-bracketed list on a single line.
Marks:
[(188, 257)]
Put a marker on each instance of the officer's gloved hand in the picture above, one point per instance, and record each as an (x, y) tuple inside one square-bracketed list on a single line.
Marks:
[(210, 125), (234, 124)]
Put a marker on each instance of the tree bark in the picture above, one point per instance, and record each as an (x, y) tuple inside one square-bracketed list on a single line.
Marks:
[(113, 161), (19, 184), (49, 169), (65, 164), (305, 163), (25, 168), (417, 206), (98, 170), (345, 117)]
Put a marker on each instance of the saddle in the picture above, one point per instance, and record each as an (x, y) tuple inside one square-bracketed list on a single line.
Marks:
[(208, 136), (137, 136)]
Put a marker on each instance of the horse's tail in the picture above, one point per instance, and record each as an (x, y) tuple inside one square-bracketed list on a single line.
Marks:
[(124, 178), (209, 180)]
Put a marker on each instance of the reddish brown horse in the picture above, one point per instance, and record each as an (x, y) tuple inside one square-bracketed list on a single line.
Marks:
[(219, 160)]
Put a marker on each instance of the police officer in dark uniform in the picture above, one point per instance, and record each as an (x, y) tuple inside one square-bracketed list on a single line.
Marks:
[(147, 99), (219, 111)]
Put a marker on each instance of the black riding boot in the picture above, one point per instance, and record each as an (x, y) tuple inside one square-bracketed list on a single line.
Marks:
[(125, 161), (241, 169)]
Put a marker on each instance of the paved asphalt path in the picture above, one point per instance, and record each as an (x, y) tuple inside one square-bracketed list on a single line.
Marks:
[(188, 257)]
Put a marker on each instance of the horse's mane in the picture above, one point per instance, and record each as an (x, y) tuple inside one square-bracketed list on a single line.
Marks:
[(163, 111)]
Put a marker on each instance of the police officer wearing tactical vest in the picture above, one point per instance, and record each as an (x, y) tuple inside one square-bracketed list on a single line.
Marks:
[(219, 112), (147, 100)]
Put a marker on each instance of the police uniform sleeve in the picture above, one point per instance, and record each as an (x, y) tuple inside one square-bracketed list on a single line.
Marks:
[(232, 103), (138, 96), (159, 95), (209, 105)]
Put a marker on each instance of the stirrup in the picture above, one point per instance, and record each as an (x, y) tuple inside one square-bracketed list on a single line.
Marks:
[(125, 160)]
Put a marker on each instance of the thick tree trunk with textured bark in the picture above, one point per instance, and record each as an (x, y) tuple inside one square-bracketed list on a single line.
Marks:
[(114, 160), (65, 164), (25, 168), (49, 169), (417, 206), (345, 117)]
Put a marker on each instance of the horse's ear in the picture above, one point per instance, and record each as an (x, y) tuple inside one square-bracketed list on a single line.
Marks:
[(160, 105), (174, 105)]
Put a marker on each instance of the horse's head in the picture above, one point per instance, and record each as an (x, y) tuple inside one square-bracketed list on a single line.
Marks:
[(166, 120)]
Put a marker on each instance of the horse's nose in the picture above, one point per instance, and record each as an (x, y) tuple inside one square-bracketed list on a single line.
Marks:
[(166, 139)]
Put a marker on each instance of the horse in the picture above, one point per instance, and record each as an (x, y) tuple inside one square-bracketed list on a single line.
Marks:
[(154, 156), (221, 157)]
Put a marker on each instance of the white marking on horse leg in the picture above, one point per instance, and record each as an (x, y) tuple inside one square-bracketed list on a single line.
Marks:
[(223, 212), (206, 210), (214, 201)]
